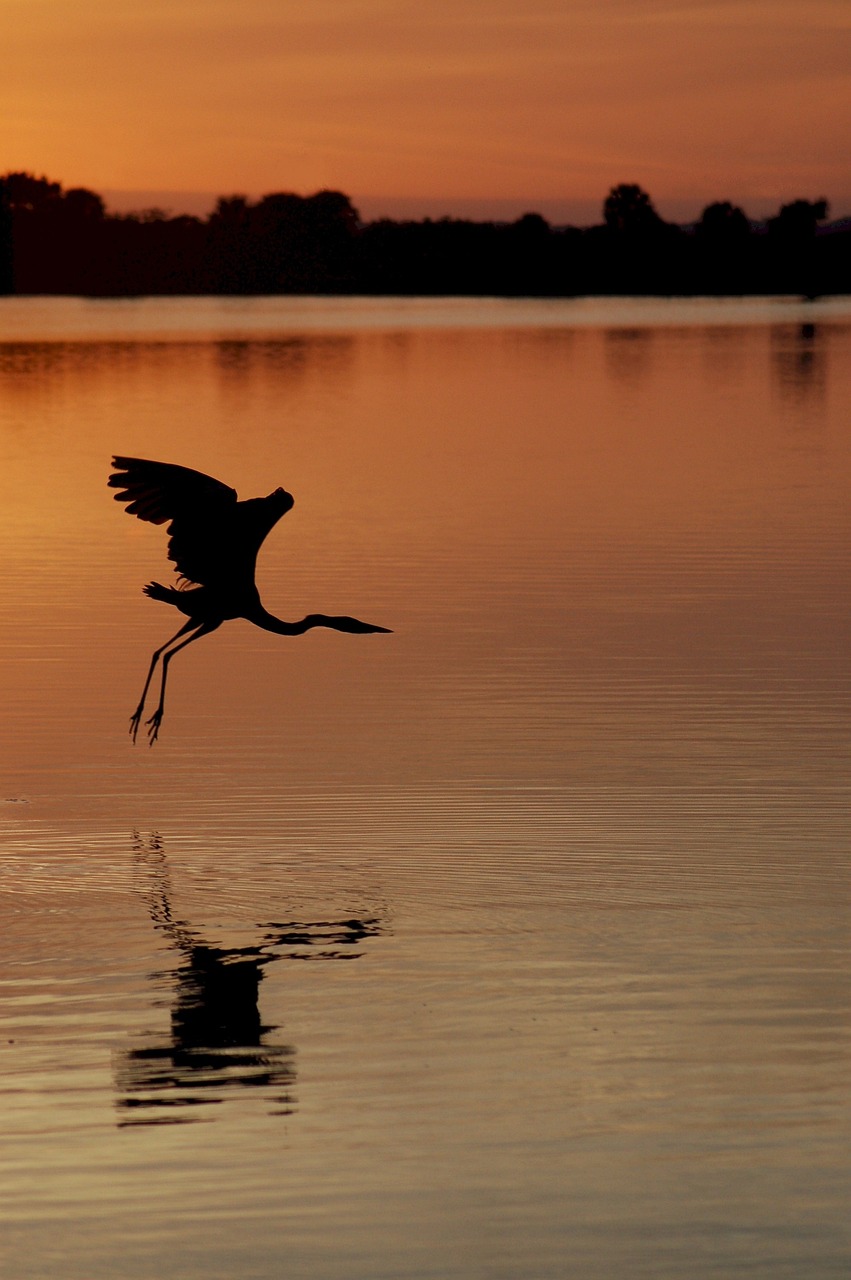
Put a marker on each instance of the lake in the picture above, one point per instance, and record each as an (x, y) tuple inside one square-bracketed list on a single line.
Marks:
[(512, 944)]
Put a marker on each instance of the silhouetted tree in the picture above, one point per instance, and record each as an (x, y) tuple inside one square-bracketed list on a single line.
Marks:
[(526, 256), (723, 223), (723, 250), (7, 273), (432, 257), (55, 242), (27, 194), (285, 243), (794, 264), (798, 220), (83, 206), (628, 209), (228, 245), (635, 251), (334, 226)]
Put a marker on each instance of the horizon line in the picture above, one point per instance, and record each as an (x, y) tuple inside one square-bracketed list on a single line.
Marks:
[(558, 210)]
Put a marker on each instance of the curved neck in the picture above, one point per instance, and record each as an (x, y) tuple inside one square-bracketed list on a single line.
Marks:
[(262, 618)]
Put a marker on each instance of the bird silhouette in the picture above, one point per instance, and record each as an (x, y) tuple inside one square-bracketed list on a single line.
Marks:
[(213, 543)]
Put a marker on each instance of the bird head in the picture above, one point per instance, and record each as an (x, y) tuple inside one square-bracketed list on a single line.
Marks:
[(282, 500)]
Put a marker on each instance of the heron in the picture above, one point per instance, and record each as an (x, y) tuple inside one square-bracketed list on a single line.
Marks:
[(213, 543)]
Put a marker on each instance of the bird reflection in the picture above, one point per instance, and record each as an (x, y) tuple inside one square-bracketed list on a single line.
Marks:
[(218, 1041), (800, 363)]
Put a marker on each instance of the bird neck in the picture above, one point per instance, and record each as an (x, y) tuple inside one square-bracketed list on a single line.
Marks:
[(262, 618)]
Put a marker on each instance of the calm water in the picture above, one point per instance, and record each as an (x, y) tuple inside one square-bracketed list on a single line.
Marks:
[(513, 944)]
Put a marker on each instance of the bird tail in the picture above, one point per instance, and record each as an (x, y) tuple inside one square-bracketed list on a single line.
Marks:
[(168, 595)]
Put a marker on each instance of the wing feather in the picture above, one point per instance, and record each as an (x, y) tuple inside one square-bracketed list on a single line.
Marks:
[(201, 512), (161, 491)]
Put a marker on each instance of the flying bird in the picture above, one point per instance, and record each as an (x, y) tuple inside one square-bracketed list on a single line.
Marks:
[(213, 544)]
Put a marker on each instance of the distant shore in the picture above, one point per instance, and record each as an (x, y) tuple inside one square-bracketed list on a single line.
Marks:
[(64, 242)]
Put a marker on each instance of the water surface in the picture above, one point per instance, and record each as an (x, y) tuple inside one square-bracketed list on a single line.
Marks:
[(512, 944)]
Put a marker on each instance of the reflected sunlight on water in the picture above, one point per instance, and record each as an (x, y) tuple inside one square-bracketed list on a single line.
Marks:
[(514, 943)]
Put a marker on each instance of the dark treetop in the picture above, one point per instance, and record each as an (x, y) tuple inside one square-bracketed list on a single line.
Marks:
[(64, 242)]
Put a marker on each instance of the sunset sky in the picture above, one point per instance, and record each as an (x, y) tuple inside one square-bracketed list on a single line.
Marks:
[(477, 107)]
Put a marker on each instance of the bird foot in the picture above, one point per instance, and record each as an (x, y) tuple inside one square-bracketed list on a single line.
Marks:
[(135, 721), (154, 727)]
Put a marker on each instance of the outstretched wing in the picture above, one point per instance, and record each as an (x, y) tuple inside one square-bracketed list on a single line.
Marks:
[(160, 491), (201, 511)]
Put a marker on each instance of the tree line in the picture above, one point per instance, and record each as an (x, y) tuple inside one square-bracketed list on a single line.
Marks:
[(55, 241)]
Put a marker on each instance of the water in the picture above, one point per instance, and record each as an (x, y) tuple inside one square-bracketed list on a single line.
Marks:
[(514, 943)]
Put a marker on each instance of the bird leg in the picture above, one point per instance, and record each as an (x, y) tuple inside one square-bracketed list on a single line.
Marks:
[(156, 719), (136, 717)]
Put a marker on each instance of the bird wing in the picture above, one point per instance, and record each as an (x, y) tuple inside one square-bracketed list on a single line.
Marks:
[(160, 491), (201, 511)]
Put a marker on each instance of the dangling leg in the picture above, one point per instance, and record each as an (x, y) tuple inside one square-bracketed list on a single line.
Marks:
[(156, 719), (136, 717)]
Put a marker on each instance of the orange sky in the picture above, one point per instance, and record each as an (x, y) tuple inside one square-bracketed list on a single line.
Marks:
[(453, 104)]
